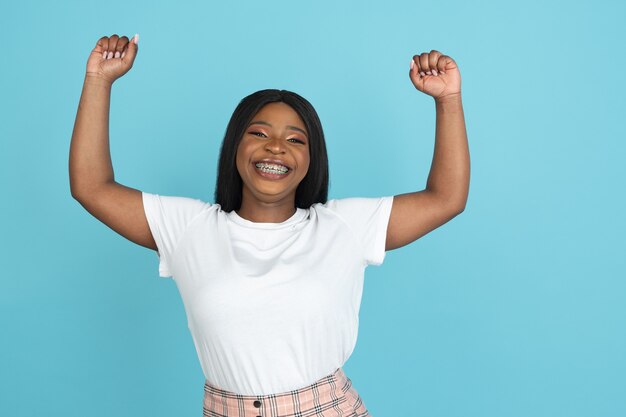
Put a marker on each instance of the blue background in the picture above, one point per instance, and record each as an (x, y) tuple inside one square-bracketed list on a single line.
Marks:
[(514, 308)]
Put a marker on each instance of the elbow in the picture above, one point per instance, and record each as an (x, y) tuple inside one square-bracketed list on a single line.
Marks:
[(460, 208), (78, 194), (455, 206), (74, 192), (73, 186), (460, 202), (75, 195), (455, 211)]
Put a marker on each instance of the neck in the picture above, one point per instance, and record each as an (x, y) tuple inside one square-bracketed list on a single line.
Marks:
[(266, 212)]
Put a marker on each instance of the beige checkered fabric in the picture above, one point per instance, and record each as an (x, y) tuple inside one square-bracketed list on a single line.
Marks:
[(331, 396)]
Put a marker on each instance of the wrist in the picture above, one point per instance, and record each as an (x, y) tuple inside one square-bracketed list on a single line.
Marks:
[(97, 79), (450, 104), (449, 98)]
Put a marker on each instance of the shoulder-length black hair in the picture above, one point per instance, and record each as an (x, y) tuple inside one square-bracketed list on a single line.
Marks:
[(314, 186)]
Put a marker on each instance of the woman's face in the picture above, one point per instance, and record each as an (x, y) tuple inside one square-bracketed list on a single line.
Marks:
[(275, 133)]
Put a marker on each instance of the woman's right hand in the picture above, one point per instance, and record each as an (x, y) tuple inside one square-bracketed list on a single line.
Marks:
[(112, 57)]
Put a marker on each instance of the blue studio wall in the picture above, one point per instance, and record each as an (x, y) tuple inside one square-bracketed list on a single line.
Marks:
[(514, 308)]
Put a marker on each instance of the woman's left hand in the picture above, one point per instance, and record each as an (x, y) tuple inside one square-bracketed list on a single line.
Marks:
[(435, 74)]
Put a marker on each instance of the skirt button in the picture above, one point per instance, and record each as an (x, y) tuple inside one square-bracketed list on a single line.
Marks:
[(257, 404)]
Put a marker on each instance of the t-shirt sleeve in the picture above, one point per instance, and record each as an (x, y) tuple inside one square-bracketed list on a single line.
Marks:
[(368, 218), (168, 218)]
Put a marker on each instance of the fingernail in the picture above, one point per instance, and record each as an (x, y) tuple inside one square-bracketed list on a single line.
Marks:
[(412, 64), (110, 55), (434, 72), (136, 39), (117, 54), (104, 55), (123, 53), (422, 74)]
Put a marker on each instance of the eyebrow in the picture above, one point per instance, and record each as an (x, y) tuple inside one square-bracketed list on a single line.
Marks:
[(261, 122)]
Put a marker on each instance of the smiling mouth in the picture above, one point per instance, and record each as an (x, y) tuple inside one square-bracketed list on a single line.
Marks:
[(271, 168)]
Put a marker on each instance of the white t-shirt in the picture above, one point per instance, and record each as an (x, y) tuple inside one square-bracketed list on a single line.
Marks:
[(271, 307)]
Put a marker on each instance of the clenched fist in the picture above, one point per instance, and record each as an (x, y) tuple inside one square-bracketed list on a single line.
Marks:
[(112, 57), (435, 74)]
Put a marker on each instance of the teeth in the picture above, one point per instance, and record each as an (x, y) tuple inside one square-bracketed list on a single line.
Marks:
[(272, 168)]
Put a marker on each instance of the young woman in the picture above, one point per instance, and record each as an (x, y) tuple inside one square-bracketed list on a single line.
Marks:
[(271, 274)]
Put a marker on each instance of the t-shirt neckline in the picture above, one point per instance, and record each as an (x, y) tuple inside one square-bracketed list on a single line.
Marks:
[(295, 218)]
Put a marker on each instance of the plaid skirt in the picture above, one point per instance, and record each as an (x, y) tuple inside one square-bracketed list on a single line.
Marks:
[(332, 395)]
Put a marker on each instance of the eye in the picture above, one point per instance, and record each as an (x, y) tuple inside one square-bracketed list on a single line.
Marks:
[(257, 133), (297, 140)]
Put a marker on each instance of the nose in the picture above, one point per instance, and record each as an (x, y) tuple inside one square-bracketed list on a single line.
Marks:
[(275, 146)]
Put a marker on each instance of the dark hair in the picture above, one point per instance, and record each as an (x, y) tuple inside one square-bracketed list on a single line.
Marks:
[(314, 186)]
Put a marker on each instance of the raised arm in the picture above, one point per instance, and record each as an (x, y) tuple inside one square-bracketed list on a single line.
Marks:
[(92, 181), (415, 214)]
